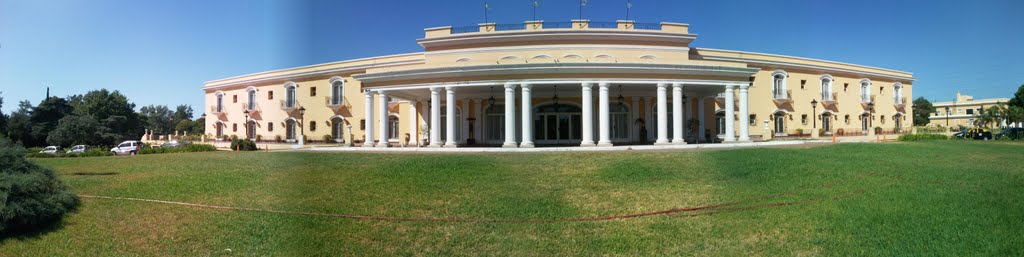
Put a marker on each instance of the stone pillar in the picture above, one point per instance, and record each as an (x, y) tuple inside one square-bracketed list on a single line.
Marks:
[(383, 120), (527, 116), (744, 114), (368, 116), (587, 132), (730, 114), (678, 116), (414, 134), (510, 116), (662, 114), (700, 120), (435, 117), (449, 138), (602, 119)]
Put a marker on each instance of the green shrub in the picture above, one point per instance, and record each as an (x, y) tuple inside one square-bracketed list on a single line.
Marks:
[(922, 137), (243, 145), (31, 196), (328, 139)]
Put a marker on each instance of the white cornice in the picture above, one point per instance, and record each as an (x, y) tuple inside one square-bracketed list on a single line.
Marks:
[(556, 34), (315, 65), (803, 58), (555, 68), (972, 102), (296, 76), (806, 66), (556, 47)]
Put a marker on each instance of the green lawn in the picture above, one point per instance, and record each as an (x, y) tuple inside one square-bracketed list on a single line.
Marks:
[(935, 198)]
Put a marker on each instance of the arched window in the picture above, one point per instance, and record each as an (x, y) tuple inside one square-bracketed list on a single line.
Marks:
[(620, 121), (826, 88), (337, 91), (290, 127), (289, 95), (720, 121), (251, 105), (250, 129), (220, 102), (865, 90), (494, 123), (897, 93), (779, 84), (338, 128), (220, 129), (393, 127)]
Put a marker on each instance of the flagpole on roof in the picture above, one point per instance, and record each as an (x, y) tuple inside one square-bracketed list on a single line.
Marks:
[(629, 5), (536, 3), (487, 7)]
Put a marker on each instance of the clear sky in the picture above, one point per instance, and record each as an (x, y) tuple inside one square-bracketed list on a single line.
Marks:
[(161, 52)]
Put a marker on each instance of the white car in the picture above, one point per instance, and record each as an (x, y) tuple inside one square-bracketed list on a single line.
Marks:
[(51, 150), (127, 148), (77, 149)]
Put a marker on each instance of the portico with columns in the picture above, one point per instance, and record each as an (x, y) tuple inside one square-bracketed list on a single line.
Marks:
[(563, 112)]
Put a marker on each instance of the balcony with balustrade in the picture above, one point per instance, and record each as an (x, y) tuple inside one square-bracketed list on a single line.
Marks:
[(782, 97), (900, 102), (829, 99), (866, 100), (336, 103), (289, 106)]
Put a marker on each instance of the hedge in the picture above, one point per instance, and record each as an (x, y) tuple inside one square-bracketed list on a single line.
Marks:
[(243, 144), (31, 196), (184, 149), (922, 137)]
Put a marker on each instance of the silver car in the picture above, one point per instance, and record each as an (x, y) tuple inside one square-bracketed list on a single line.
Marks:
[(127, 148), (51, 150), (78, 149)]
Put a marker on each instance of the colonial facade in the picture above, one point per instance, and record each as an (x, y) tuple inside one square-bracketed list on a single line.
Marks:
[(560, 83), (962, 112)]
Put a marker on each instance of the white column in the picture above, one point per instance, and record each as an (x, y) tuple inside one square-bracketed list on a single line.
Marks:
[(510, 116), (588, 115), (383, 113), (700, 119), (368, 118), (730, 113), (449, 139), (435, 117), (527, 115), (678, 116), (635, 110), (744, 114), (662, 114), (414, 134), (602, 119)]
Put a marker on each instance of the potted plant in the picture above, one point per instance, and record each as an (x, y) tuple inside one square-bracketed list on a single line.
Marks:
[(799, 132), (328, 139), (839, 131), (277, 138), (878, 130), (821, 131)]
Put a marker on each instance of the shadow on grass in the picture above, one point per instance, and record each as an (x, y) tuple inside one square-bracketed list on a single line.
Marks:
[(22, 233), (94, 173)]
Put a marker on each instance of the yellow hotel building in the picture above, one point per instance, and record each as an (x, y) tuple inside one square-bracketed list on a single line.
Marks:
[(577, 83)]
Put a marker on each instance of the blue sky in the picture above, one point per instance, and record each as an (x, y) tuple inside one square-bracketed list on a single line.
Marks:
[(161, 52)]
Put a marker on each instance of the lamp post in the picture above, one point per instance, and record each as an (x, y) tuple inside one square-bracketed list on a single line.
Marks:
[(947, 117), (871, 118), (302, 127), (247, 136), (814, 118)]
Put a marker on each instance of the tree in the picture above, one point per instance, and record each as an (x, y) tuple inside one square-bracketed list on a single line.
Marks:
[(44, 118), (922, 109), (3, 119), (1014, 114), (111, 110), (182, 112), (1018, 98), (74, 129), (31, 196), (19, 127), (158, 118)]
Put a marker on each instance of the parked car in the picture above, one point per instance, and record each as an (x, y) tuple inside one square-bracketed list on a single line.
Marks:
[(51, 150), (78, 149), (974, 133), (127, 148), (1011, 133), (176, 143)]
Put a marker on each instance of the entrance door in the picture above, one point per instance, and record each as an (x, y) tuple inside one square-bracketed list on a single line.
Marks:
[(557, 124), (864, 122), (780, 124)]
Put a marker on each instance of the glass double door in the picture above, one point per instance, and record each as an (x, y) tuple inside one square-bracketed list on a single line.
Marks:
[(557, 128)]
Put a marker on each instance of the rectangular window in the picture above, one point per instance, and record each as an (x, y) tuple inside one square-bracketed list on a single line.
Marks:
[(312, 91), (803, 119), (270, 126), (753, 119), (234, 98), (312, 126), (270, 95), (234, 127), (970, 111), (362, 124)]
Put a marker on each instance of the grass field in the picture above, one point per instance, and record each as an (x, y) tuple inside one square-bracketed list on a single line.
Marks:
[(933, 198)]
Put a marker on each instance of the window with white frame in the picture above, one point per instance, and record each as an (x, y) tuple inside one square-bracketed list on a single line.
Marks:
[(897, 93), (826, 88), (220, 102), (620, 121), (393, 127), (289, 96), (494, 123), (779, 85), (251, 105), (865, 91), (337, 92)]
